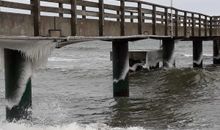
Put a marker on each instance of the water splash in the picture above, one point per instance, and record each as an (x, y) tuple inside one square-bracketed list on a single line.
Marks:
[(72, 126), (124, 72), (199, 61)]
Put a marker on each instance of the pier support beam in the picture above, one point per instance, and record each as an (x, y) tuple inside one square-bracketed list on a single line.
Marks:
[(120, 68), (18, 71), (168, 52), (197, 53), (216, 51)]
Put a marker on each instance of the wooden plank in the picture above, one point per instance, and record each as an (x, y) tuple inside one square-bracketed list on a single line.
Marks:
[(58, 1), (101, 18), (185, 23), (122, 24), (73, 18), (176, 23), (154, 20), (166, 21), (88, 13), (193, 25), (36, 16), (15, 5), (108, 15), (84, 4), (112, 7), (147, 11), (140, 21)]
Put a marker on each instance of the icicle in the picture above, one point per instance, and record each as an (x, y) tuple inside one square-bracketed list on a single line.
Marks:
[(35, 50)]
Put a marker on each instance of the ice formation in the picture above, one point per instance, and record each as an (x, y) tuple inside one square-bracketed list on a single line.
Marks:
[(36, 52)]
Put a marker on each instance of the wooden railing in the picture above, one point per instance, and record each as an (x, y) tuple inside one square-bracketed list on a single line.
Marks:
[(126, 11)]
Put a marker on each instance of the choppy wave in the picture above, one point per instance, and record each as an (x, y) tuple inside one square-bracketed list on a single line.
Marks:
[(190, 55), (60, 59), (72, 126)]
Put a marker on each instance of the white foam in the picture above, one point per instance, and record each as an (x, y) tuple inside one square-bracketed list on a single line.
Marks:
[(124, 72), (199, 61), (59, 59), (72, 126)]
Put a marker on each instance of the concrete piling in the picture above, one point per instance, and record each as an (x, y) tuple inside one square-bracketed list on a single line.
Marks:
[(18, 71), (197, 53), (216, 51), (120, 61), (168, 52)]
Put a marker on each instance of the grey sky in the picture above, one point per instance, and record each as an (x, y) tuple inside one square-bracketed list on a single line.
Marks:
[(210, 7)]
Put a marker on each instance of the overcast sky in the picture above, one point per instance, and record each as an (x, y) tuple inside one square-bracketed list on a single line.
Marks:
[(210, 7)]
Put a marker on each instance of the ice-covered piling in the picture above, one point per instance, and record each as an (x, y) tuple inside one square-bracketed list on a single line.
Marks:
[(21, 58), (197, 53), (18, 72), (168, 52), (120, 60), (216, 51)]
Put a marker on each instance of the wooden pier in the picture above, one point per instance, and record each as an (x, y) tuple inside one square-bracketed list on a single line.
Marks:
[(66, 22)]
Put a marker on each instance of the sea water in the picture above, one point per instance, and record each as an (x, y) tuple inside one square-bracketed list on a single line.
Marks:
[(74, 92)]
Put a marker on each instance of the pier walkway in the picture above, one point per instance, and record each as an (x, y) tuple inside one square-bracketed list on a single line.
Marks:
[(64, 22)]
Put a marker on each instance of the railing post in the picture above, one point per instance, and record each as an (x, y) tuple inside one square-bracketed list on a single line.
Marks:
[(206, 34), (140, 21), (73, 18), (122, 23), (185, 24), (120, 68), (166, 21), (176, 23), (118, 13), (154, 20), (132, 20), (200, 30), (36, 16), (197, 53), (210, 26), (101, 18), (18, 72), (193, 24), (61, 9), (84, 10)]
